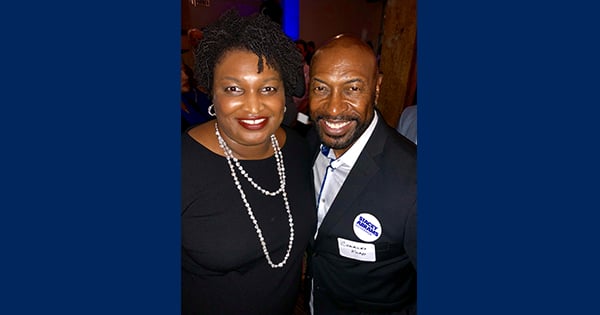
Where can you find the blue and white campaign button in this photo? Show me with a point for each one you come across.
(367, 227)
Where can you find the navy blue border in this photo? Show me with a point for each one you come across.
(91, 175)
(508, 164)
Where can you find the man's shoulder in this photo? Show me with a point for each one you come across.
(394, 142)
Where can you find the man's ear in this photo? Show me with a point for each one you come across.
(378, 86)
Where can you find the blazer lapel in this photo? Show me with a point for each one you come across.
(358, 179)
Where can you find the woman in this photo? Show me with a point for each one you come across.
(247, 203)
(194, 102)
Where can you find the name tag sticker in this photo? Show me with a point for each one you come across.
(356, 250)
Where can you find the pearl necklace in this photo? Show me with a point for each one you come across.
(281, 171)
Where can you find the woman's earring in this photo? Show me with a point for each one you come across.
(211, 110)
(284, 109)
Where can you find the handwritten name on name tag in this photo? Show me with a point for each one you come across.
(356, 250)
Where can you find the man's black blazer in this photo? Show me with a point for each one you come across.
(383, 184)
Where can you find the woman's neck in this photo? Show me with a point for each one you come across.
(250, 152)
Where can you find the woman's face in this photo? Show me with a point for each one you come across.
(249, 105)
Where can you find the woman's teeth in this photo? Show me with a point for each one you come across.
(253, 121)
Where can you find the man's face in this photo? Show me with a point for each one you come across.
(344, 86)
(300, 48)
(195, 37)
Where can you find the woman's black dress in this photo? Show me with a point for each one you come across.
(224, 270)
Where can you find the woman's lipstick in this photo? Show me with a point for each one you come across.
(254, 123)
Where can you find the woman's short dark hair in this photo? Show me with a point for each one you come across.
(256, 33)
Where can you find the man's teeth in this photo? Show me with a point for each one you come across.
(253, 121)
(336, 125)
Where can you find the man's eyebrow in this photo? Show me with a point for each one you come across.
(355, 80)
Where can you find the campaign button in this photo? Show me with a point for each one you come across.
(366, 227)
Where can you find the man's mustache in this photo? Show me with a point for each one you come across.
(337, 118)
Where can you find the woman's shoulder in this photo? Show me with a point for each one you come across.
(296, 146)
(202, 135)
(293, 137)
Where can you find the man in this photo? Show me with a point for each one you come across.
(407, 125)
(302, 102)
(363, 258)
(310, 45)
(194, 37)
